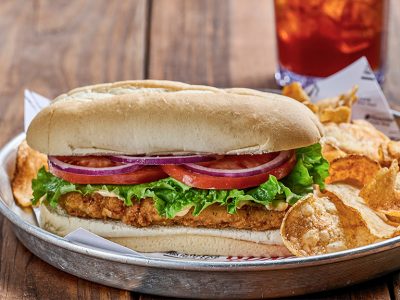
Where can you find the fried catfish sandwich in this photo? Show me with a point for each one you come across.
(166, 166)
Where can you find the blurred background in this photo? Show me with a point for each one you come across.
(51, 46)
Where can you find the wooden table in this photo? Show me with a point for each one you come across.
(53, 46)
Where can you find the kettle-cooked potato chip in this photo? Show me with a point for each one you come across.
(335, 115)
(351, 199)
(295, 91)
(330, 153)
(337, 109)
(343, 100)
(28, 163)
(358, 138)
(393, 148)
(312, 226)
(334, 221)
(365, 123)
(382, 193)
(356, 170)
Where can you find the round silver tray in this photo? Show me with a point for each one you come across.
(194, 278)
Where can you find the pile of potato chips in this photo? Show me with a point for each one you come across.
(360, 204)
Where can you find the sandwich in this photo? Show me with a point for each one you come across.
(165, 166)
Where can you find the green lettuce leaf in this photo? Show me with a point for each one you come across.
(171, 196)
(46, 184)
(311, 168)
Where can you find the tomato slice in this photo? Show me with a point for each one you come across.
(143, 175)
(202, 181)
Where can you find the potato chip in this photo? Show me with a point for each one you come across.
(356, 170)
(343, 100)
(364, 123)
(392, 220)
(337, 109)
(330, 153)
(358, 138)
(28, 163)
(393, 148)
(334, 221)
(312, 227)
(361, 137)
(355, 229)
(336, 115)
(295, 91)
(351, 199)
(382, 193)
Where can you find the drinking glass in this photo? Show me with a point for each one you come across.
(317, 38)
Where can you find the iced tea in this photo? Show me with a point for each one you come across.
(317, 38)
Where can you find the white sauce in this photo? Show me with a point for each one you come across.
(184, 211)
(106, 193)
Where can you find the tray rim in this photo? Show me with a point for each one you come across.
(185, 265)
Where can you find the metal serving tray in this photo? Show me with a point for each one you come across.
(192, 277)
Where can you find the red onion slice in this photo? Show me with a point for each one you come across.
(122, 169)
(162, 160)
(276, 162)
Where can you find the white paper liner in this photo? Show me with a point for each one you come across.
(371, 105)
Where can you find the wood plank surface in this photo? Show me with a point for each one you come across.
(51, 47)
(221, 43)
(395, 285)
(376, 289)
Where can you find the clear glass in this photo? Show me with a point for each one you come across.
(317, 38)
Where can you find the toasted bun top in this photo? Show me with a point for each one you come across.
(160, 117)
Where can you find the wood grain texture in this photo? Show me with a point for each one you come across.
(137, 296)
(24, 276)
(221, 43)
(51, 47)
(51, 52)
(252, 58)
(188, 41)
(394, 284)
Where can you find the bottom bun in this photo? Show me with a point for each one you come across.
(202, 245)
(199, 241)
